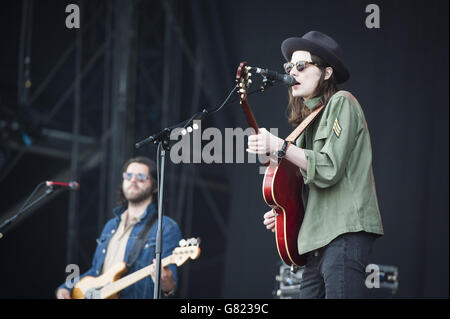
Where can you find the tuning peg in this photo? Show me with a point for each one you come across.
(242, 96)
(183, 243)
(192, 241)
(250, 81)
(242, 91)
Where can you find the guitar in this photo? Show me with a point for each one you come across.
(282, 184)
(108, 285)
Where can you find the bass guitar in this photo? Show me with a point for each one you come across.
(108, 285)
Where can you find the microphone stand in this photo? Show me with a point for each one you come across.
(163, 138)
(163, 146)
(267, 83)
(49, 191)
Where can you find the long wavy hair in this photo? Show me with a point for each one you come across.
(296, 110)
(122, 201)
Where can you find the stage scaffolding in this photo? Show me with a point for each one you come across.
(134, 55)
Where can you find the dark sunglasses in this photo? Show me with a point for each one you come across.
(300, 65)
(140, 177)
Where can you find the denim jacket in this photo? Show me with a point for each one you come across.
(171, 235)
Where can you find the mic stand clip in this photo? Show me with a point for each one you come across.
(266, 83)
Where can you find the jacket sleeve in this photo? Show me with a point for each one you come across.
(332, 144)
(172, 236)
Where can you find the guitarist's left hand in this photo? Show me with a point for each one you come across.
(167, 281)
(264, 143)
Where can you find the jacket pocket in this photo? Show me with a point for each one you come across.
(146, 255)
(102, 239)
(322, 132)
(320, 138)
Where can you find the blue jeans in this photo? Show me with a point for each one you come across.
(337, 270)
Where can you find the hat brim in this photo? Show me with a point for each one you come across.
(291, 45)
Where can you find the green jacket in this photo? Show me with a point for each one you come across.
(342, 196)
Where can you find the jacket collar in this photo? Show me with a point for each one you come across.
(312, 103)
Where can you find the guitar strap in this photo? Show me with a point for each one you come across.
(297, 132)
(304, 124)
(139, 243)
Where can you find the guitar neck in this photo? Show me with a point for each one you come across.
(249, 116)
(118, 285)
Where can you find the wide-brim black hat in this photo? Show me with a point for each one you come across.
(321, 45)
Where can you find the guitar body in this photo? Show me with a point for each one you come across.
(88, 284)
(282, 190)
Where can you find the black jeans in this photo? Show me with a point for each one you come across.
(337, 270)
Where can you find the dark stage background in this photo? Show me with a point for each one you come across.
(134, 67)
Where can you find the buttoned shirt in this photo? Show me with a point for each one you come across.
(116, 248)
(341, 194)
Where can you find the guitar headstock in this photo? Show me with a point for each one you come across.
(188, 249)
(243, 80)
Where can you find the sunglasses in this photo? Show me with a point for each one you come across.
(300, 65)
(140, 177)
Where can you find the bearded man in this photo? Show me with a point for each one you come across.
(130, 236)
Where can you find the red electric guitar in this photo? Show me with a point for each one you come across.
(282, 184)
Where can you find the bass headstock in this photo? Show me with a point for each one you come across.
(188, 249)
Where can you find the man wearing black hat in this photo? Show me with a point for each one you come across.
(334, 155)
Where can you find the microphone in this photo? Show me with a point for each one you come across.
(286, 79)
(154, 138)
(72, 186)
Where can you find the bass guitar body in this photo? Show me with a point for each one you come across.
(90, 287)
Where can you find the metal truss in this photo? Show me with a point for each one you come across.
(129, 58)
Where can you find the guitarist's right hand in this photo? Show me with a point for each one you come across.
(63, 293)
(269, 220)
